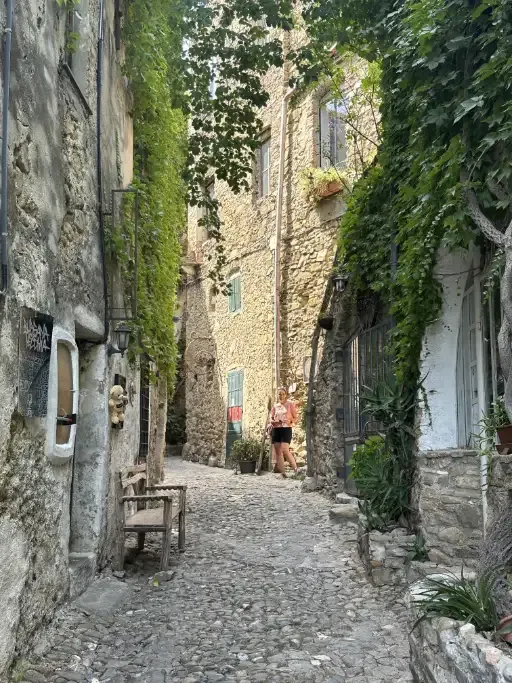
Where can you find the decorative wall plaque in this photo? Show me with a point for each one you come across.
(35, 345)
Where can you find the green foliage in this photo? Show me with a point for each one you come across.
(246, 449)
(315, 182)
(461, 599)
(495, 419)
(72, 42)
(175, 432)
(446, 126)
(153, 38)
(418, 550)
(385, 491)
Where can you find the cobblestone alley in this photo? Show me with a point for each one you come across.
(268, 590)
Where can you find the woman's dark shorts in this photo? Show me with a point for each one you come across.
(282, 435)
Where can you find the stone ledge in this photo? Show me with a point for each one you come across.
(447, 651)
(449, 453)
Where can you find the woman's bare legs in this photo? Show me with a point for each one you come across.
(279, 459)
(288, 456)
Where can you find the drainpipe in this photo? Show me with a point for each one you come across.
(101, 218)
(277, 251)
(5, 147)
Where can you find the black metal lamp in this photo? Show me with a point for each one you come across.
(340, 282)
(122, 334)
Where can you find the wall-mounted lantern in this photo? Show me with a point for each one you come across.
(340, 282)
(122, 338)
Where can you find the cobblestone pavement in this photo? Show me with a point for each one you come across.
(268, 590)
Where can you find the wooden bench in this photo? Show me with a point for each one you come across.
(148, 519)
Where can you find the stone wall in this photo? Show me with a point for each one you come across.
(55, 269)
(447, 651)
(328, 407)
(245, 340)
(385, 554)
(450, 505)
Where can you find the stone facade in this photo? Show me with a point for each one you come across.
(245, 340)
(447, 651)
(450, 505)
(385, 554)
(56, 500)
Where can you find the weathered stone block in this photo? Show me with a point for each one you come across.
(344, 514)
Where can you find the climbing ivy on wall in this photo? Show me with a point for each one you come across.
(446, 131)
(153, 36)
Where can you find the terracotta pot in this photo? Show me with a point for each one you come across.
(504, 448)
(326, 322)
(506, 621)
(333, 187)
(505, 434)
(247, 466)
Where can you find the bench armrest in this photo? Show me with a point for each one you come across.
(127, 499)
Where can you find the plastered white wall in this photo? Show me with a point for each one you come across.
(439, 355)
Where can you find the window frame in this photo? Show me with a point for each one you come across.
(60, 454)
(325, 136)
(264, 171)
(232, 295)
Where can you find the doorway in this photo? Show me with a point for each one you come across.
(235, 410)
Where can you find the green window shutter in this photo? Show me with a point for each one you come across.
(235, 295)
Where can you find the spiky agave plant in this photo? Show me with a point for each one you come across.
(461, 599)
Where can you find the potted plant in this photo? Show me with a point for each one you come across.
(319, 183)
(497, 424)
(326, 321)
(246, 453)
(502, 421)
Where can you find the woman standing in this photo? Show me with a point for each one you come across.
(283, 417)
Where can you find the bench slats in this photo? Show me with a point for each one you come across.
(154, 517)
(133, 480)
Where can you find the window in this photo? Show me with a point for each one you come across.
(77, 32)
(64, 392)
(235, 409)
(62, 397)
(211, 300)
(366, 361)
(204, 223)
(235, 294)
(333, 150)
(265, 37)
(264, 168)
(212, 86)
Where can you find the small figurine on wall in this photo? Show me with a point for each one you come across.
(116, 404)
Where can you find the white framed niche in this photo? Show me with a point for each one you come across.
(62, 396)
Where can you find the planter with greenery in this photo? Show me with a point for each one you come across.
(319, 183)
(495, 431)
(246, 453)
(326, 321)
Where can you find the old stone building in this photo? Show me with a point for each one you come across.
(453, 497)
(280, 241)
(68, 144)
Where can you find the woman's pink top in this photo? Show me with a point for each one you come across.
(286, 413)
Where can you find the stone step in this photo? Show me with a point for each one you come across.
(345, 499)
(416, 571)
(344, 514)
